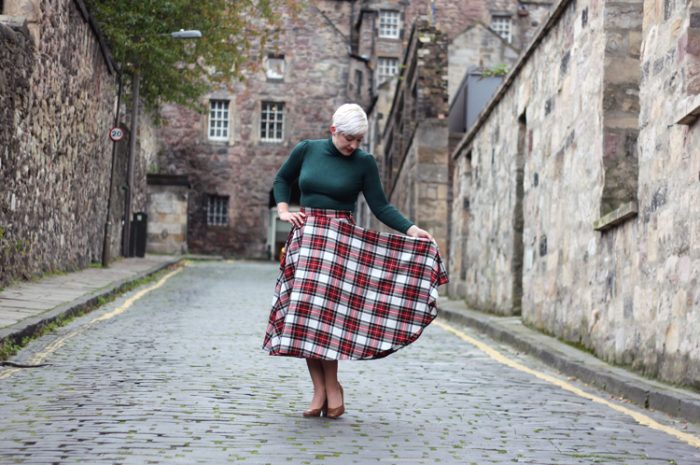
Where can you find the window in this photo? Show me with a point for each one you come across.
(218, 119)
(358, 82)
(217, 210)
(386, 69)
(389, 24)
(501, 25)
(274, 67)
(272, 122)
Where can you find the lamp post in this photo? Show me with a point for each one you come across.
(135, 90)
(106, 255)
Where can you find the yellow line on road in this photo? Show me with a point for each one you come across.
(40, 356)
(638, 417)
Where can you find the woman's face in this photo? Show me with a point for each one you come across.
(346, 144)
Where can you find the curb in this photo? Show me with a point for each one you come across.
(29, 327)
(645, 392)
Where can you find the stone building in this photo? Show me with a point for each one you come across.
(415, 133)
(575, 194)
(57, 104)
(338, 51)
(230, 154)
(415, 157)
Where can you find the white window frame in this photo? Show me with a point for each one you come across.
(389, 24)
(219, 121)
(217, 210)
(387, 67)
(503, 26)
(272, 121)
(275, 67)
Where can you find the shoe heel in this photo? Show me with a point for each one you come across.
(337, 411)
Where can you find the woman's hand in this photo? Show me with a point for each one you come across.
(415, 231)
(297, 218)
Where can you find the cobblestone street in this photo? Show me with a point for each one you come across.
(180, 377)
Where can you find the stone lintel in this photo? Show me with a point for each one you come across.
(689, 118)
(618, 216)
(167, 180)
(18, 23)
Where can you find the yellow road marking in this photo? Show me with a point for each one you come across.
(638, 417)
(40, 356)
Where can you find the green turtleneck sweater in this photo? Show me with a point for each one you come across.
(329, 179)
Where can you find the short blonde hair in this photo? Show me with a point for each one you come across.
(350, 119)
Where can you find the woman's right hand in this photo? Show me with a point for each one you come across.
(296, 218)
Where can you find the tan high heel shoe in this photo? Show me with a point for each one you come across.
(316, 412)
(335, 412)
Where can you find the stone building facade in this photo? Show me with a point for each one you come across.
(415, 158)
(57, 104)
(338, 51)
(415, 135)
(575, 194)
(231, 154)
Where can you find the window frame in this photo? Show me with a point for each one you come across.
(269, 125)
(224, 118)
(382, 63)
(389, 24)
(268, 68)
(506, 33)
(219, 215)
(359, 82)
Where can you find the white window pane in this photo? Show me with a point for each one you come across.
(218, 119)
(389, 24)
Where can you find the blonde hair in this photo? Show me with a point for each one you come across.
(350, 119)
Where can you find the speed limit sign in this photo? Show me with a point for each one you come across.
(116, 134)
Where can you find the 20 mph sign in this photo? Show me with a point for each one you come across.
(116, 134)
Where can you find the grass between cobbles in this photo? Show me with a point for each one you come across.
(11, 346)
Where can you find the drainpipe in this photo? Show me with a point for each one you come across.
(126, 238)
(108, 222)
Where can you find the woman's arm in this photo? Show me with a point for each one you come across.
(380, 206)
(297, 219)
(288, 172)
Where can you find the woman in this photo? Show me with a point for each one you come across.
(344, 292)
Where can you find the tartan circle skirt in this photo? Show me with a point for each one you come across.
(347, 293)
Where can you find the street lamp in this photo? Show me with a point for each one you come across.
(183, 34)
(135, 86)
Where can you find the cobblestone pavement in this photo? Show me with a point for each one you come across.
(180, 378)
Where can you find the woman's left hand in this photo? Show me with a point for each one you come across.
(415, 231)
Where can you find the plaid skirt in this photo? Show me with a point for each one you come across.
(346, 293)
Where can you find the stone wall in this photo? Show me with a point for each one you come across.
(415, 139)
(451, 17)
(478, 47)
(57, 101)
(548, 149)
(167, 214)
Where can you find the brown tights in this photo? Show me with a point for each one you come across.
(324, 376)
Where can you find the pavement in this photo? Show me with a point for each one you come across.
(645, 392)
(27, 306)
(180, 378)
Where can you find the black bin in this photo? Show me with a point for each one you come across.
(138, 235)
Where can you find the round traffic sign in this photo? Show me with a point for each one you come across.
(116, 134)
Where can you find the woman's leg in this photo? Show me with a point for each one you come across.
(318, 379)
(330, 371)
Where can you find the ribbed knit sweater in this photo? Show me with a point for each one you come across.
(329, 179)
